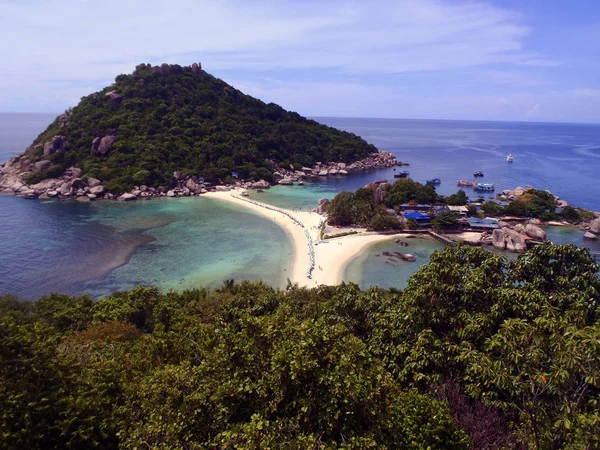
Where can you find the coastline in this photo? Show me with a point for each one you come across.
(331, 256)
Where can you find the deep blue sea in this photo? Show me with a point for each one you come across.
(101, 247)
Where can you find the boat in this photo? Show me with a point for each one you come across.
(402, 174)
(466, 183)
(434, 181)
(509, 158)
(485, 187)
(477, 173)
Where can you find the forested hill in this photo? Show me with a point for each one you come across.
(157, 120)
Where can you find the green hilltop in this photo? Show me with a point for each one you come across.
(148, 124)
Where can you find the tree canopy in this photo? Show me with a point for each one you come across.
(191, 122)
(476, 352)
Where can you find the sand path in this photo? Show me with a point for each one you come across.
(330, 256)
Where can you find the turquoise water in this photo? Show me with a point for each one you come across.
(373, 268)
(101, 247)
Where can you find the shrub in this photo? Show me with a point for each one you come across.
(384, 222)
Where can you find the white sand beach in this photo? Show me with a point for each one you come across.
(330, 256)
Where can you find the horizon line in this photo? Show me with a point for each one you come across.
(379, 118)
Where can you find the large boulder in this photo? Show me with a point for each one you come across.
(73, 172)
(515, 242)
(498, 238)
(595, 226)
(322, 205)
(93, 182)
(43, 185)
(97, 190)
(127, 197)
(78, 183)
(262, 184)
(535, 232)
(57, 143)
(590, 236)
(222, 188)
(42, 165)
(286, 181)
(65, 188)
(192, 186)
(100, 147)
(323, 173)
(115, 97)
(196, 68)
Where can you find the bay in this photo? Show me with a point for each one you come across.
(101, 247)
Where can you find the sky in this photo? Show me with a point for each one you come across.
(525, 60)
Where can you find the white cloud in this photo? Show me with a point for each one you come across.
(86, 40)
(55, 51)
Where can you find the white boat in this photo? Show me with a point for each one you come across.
(509, 158)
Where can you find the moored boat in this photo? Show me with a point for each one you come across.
(485, 187)
(477, 173)
(510, 158)
(434, 181)
(466, 183)
(402, 174)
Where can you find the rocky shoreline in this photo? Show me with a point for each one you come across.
(70, 185)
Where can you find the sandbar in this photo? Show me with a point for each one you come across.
(330, 256)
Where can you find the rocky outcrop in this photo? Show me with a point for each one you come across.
(127, 197)
(322, 205)
(286, 181)
(101, 146)
(511, 240)
(535, 232)
(196, 68)
(56, 144)
(262, 184)
(590, 236)
(115, 97)
(41, 165)
(595, 226)
(97, 190)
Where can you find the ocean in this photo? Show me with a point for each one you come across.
(101, 247)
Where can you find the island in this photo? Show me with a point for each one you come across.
(172, 131)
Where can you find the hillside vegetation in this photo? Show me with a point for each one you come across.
(477, 352)
(182, 118)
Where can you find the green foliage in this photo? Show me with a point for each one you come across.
(576, 215)
(445, 220)
(533, 203)
(491, 208)
(249, 366)
(471, 211)
(406, 190)
(194, 123)
(141, 177)
(411, 224)
(357, 208)
(53, 171)
(384, 222)
(458, 199)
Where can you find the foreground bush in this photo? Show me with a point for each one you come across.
(476, 352)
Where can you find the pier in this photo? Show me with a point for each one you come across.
(442, 239)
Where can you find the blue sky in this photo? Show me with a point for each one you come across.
(527, 60)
